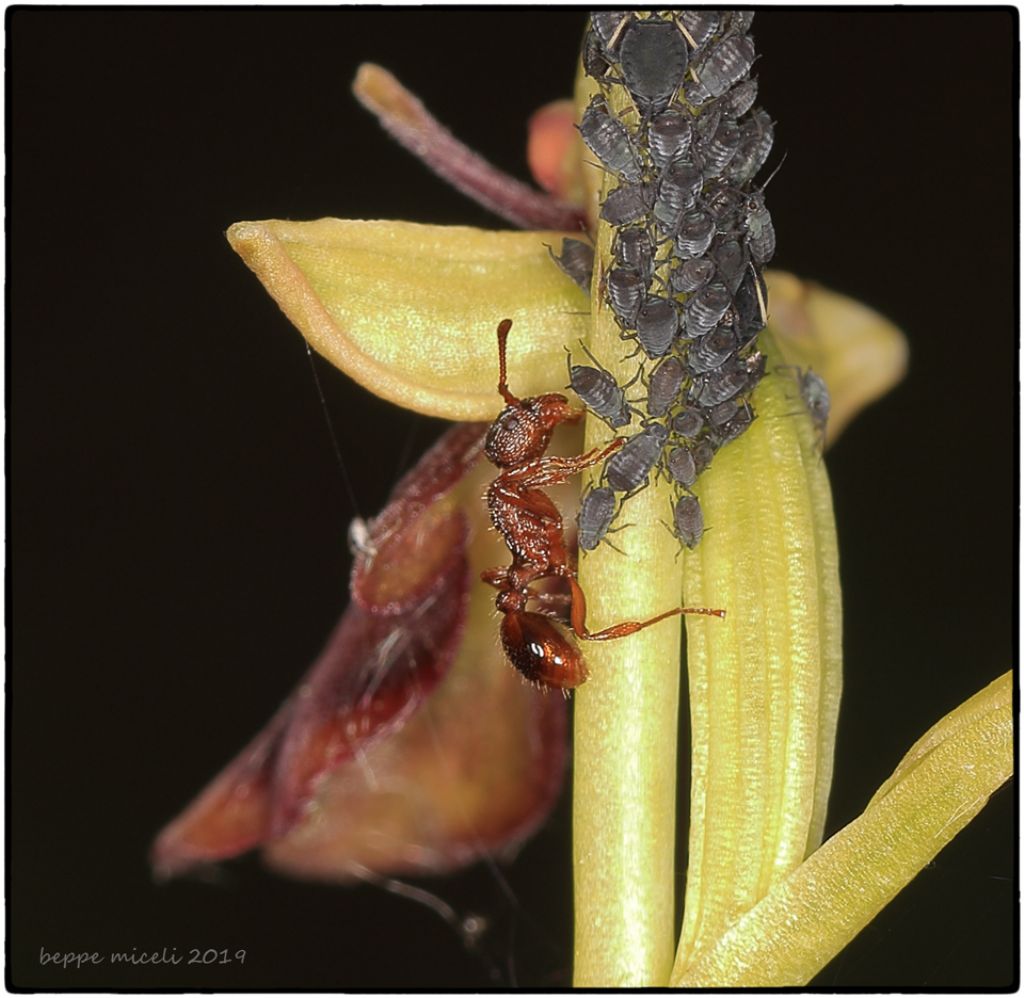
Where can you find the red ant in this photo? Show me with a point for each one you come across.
(532, 527)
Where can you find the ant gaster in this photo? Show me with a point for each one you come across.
(532, 528)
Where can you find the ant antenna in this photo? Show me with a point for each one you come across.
(503, 330)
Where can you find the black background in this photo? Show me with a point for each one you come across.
(177, 518)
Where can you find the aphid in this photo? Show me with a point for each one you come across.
(576, 261)
(692, 275)
(705, 308)
(663, 386)
(688, 423)
(722, 413)
(634, 249)
(739, 100)
(757, 134)
(596, 513)
(737, 22)
(668, 136)
(724, 201)
(711, 350)
(599, 391)
(360, 539)
(815, 395)
(731, 259)
(653, 56)
(610, 25)
(629, 469)
(724, 382)
(722, 66)
(595, 62)
(700, 24)
(733, 427)
(532, 528)
(681, 466)
(626, 289)
(677, 191)
(720, 147)
(657, 323)
(694, 235)
(610, 141)
(760, 230)
(688, 518)
(702, 455)
(750, 302)
(627, 203)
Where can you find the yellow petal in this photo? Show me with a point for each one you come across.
(859, 353)
(944, 781)
(410, 311)
(764, 687)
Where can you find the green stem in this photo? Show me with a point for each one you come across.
(626, 720)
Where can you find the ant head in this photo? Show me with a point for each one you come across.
(523, 431)
(543, 655)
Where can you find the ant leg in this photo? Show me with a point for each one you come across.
(497, 577)
(555, 470)
(627, 627)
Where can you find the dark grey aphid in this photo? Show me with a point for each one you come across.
(599, 391)
(757, 134)
(688, 423)
(732, 428)
(705, 308)
(760, 230)
(737, 22)
(627, 203)
(629, 468)
(610, 141)
(677, 190)
(711, 350)
(610, 25)
(595, 62)
(633, 248)
(699, 24)
(663, 387)
(692, 275)
(694, 235)
(657, 323)
(722, 413)
(626, 289)
(721, 66)
(681, 467)
(721, 384)
(750, 302)
(731, 258)
(576, 261)
(596, 513)
(689, 521)
(725, 202)
(719, 149)
(702, 455)
(669, 136)
(653, 56)
(738, 101)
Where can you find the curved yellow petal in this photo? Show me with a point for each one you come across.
(859, 353)
(410, 311)
(765, 686)
(804, 921)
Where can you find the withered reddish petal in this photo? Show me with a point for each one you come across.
(371, 676)
(232, 814)
(472, 773)
(415, 539)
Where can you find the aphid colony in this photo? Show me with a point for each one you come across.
(691, 238)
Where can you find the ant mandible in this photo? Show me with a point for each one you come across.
(532, 528)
